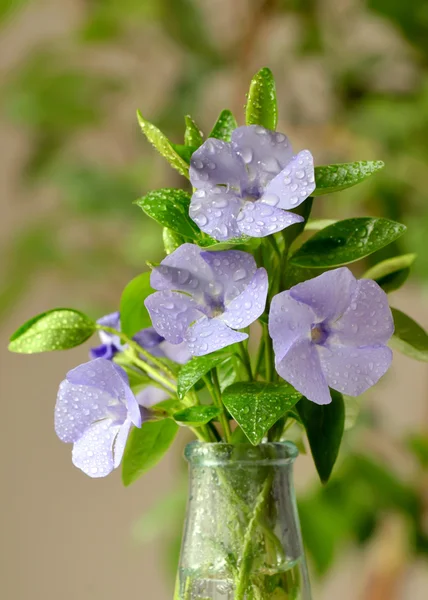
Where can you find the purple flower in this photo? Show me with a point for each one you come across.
(243, 187)
(331, 331)
(110, 344)
(94, 411)
(204, 296)
(146, 338)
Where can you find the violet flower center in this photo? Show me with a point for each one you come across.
(319, 333)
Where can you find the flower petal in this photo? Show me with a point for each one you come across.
(77, 407)
(110, 320)
(178, 353)
(329, 294)
(232, 272)
(172, 313)
(302, 368)
(289, 320)
(216, 162)
(101, 374)
(353, 370)
(258, 219)
(106, 351)
(294, 184)
(368, 320)
(151, 395)
(208, 335)
(93, 452)
(250, 304)
(183, 270)
(215, 211)
(264, 152)
(119, 443)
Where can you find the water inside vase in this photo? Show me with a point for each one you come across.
(285, 583)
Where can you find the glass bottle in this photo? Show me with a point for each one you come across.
(242, 538)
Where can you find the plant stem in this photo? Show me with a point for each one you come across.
(268, 354)
(152, 372)
(135, 346)
(214, 389)
(247, 557)
(245, 360)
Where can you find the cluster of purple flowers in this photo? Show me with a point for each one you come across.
(328, 332)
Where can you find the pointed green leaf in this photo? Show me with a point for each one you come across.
(171, 240)
(318, 224)
(133, 314)
(224, 126)
(409, 337)
(163, 145)
(145, 448)
(262, 107)
(170, 208)
(390, 274)
(57, 329)
(196, 416)
(193, 136)
(256, 406)
(347, 241)
(324, 427)
(195, 369)
(184, 152)
(333, 178)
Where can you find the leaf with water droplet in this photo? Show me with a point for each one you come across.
(196, 416)
(57, 329)
(224, 126)
(145, 447)
(390, 274)
(256, 406)
(171, 240)
(334, 178)
(193, 136)
(134, 315)
(347, 241)
(324, 427)
(409, 337)
(195, 369)
(261, 106)
(170, 208)
(163, 145)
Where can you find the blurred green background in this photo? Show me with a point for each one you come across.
(352, 80)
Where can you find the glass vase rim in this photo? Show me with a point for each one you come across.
(224, 454)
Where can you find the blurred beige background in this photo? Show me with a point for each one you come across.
(64, 535)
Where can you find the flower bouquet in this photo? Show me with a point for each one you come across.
(252, 331)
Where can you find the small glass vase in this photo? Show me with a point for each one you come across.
(242, 538)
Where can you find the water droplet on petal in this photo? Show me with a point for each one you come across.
(239, 274)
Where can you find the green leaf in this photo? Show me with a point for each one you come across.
(347, 241)
(224, 126)
(170, 208)
(195, 416)
(193, 136)
(317, 224)
(171, 240)
(261, 107)
(409, 337)
(195, 369)
(133, 314)
(390, 274)
(184, 152)
(324, 427)
(163, 145)
(256, 406)
(145, 447)
(333, 178)
(57, 329)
